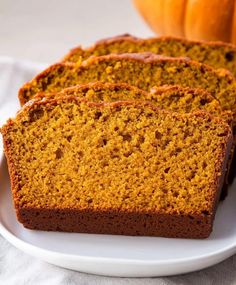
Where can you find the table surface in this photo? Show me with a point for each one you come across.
(44, 31)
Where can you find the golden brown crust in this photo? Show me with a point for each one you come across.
(148, 57)
(164, 38)
(136, 40)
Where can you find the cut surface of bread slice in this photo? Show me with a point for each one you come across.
(216, 54)
(173, 98)
(170, 97)
(115, 168)
(141, 70)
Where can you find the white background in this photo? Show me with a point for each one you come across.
(44, 30)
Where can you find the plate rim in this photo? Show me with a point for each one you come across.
(42, 253)
(20, 243)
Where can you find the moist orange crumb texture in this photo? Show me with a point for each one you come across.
(140, 73)
(126, 158)
(173, 98)
(214, 54)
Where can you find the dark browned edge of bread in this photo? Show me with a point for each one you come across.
(133, 39)
(117, 222)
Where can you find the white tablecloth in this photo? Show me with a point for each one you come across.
(17, 268)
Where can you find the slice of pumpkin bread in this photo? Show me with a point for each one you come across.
(142, 70)
(131, 169)
(173, 98)
(216, 54)
(170, 97)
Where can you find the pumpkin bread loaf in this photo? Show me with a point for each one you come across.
(151, 172)
(144, 70)
(216, 54)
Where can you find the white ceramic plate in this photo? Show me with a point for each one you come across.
(121, 255)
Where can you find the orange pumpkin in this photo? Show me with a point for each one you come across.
(193, 19)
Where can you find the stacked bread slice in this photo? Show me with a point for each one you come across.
(117, 139)
(216, 54)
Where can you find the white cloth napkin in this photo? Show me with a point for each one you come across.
(17, 268)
